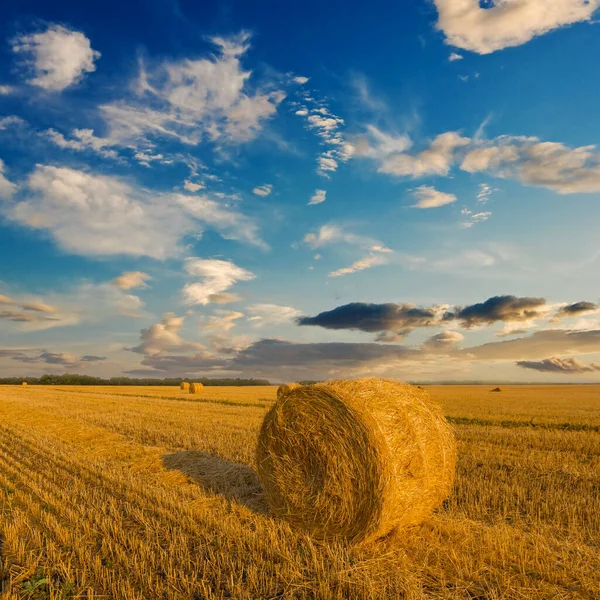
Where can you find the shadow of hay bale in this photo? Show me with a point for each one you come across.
(235, 482)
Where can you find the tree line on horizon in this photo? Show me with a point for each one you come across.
(76, 379)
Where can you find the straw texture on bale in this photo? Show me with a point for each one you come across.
(195, 388)
(185, 386)
(355, 459)
(285, 388)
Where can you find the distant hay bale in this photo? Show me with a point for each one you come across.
(496, 390)
(24, 383)
(185, 386)
(286, 388)
(196, 388)
(355, 459)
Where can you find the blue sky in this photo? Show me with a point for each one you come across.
(407, 189)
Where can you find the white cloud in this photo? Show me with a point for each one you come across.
(372, 260)
(271, 314)
(485, 192)
(131, 279)
(333, 234)
(428, 197)
(508, 22)
(454, 56)
(263, 190)
(221, 321)
(532, 162)
(326, 125)
(526, 159)
(318, 197)
(11, 121)
(5, 90)
(58, 57)
(193, 187)
(230, 224)
(7, 188)
(84, 139)
(224, 298)
(164, 337)
(378, 145)
(194, 100)
(301, 80)
(100, 215)
(435, 160)
(217, 277)
(474, 218)
(85, 302)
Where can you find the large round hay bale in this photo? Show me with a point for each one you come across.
(185, 386)
(355, 459)
(286, 388)
(24, 383)
(196, 388)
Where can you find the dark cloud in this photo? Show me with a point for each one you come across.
(443, 341)
(538, 345)
(567, 366)
(21, 317)
(360, 316)
(578, 308)
(277, 357)
(498, 308)
(50, 358)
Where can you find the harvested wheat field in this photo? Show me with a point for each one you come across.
(143, 493)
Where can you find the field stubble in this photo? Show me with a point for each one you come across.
(143, 493)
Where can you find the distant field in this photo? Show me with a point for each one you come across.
(149, 493)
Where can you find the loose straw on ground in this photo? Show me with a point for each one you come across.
(355, 459)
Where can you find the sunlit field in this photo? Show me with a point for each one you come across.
(148, 492)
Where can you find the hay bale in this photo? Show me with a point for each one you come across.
(24, 383)
(185, 386)
(286, 388)
(496, 390)
(196, 388)
(355, 459)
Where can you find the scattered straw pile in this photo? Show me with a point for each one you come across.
(185, 386)
(355, 459)
(496, 390)
(286, 388)
(24, 383)
(196, 388)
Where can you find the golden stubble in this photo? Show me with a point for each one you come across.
(135, 493)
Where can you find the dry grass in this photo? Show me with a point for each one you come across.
(355, 459)
(143, 493)
(286, 388)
